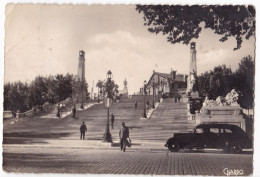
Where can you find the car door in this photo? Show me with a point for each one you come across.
(212, 137)
(197, 138)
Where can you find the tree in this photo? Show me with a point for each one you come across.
(217, 82)
(183, 23)
(38, 90)
(15, 97)
(99, 85)
(244, 82)
(7, 104)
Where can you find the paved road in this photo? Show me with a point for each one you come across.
(113, 161)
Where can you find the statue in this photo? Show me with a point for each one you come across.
(125, 83)
(221, 101)
(230, 100)
(191, 83)
(208, 102)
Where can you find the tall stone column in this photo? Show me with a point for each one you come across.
(193, 68)
(193, 102)
(81, 90)
(81, 66)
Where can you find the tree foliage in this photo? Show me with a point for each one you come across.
(15, 96)
(99, 85)
(244, 81)
(52, 89)
(217, 82)
(183, 23)
(221, 80)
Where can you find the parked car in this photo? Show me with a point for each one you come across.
(230, 138)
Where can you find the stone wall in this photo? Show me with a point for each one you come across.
(221, 114)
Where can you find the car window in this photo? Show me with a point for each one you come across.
(228, 130)
(222, 130)
(214, 130)
(199, 130)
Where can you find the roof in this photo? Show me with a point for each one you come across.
(178, 77)
(164, 75)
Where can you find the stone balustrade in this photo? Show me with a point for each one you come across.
(221, 114)
(7, 114)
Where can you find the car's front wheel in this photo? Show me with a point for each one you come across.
(174, 147)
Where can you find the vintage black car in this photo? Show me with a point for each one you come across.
(230, 138)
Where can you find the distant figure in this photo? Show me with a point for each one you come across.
(112, 120)
(175, 99)
(83, 129)
(74, 112)
(179, 98)
(123, 135)
(135, 105)
(58, 113)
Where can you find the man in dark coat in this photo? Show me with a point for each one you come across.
(135, 104)
(123, 135)
(112, 120)
(83, 129)
(74, 112)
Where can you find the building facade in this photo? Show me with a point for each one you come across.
(166, 84)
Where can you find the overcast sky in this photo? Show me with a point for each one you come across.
(46, 39)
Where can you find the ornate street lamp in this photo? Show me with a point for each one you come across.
(144, 99)
(153, 93)
(108, 102)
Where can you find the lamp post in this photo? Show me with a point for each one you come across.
(153, 94)
(108, 102)
(144, 99)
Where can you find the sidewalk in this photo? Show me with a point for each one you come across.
(85, 144)
(99, 145)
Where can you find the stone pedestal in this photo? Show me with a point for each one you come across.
(221, 114)
(193, 104)
(18, 114)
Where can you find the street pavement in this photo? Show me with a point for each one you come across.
(113, 161)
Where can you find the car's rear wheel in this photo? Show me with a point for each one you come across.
(235, 148)
(174, 147)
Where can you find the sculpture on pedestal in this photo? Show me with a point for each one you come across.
(230, 100)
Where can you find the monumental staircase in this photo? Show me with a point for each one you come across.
(168, 118)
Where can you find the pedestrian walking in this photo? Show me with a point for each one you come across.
(123, 135)
(135, 105)
(83, 129)
(179, 97)
(112, 120)
(74, 112)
